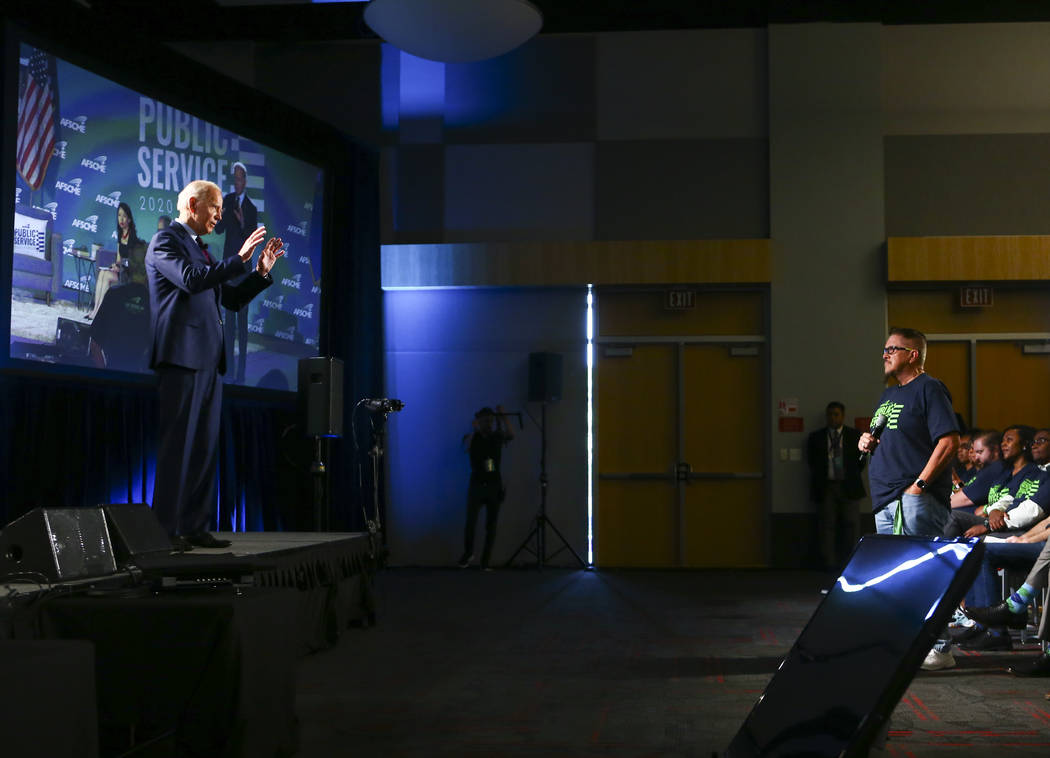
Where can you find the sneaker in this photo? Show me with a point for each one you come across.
(960, 619)
(464, 562)
(487, 569)
(936, 660)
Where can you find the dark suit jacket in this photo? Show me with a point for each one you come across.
(817, 457)
(236, 233)
(185, 292)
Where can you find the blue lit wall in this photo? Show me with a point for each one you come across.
(450, 352)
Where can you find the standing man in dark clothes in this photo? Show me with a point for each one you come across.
(835, 485)
(485, 445)
(186, 287)
(909, 474)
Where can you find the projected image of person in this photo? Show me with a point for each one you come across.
(239, 219)
(130, 261)
(485, 445)
(186, 287)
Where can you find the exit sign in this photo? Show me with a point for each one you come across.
(975, 297)
(679, 300)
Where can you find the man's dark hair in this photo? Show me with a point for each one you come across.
(835, 404)
(486, 411)
(988, 437)
(912, 335)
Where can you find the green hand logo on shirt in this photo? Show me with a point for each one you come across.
(891, 411)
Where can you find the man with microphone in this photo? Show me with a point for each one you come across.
(909, 473)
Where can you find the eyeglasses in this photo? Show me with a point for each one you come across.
(1040, 440)
(896, 349)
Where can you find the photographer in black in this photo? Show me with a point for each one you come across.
(485, 445)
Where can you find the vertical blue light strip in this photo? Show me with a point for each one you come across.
(590, 425)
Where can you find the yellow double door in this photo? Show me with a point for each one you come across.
(680, 451)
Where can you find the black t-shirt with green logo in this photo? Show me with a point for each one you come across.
(919, 413)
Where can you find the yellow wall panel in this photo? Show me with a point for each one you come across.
(938, 311)
(950, 362)
(968, 259)
(723, 410)
(556, 264)
(632, 436)
(1012, 386)
(642, 313)
(637, 524)
(713, 505)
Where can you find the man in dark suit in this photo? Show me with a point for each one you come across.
(186, 287)
(239, 219)
(835, 485)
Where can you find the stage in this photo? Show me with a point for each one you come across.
(191, 653)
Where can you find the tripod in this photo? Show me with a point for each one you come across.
(539, 532)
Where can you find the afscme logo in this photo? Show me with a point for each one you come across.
(304, 259)
(112, 199)
(95, 164)
(293, 281)
(89, 224)
(67, 246)
(78, 124)
(52, 208)
(72, 186)
(306, 312)
(276, 304)
(300, 229)
(59, 150)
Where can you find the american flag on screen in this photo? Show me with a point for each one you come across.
(36, 118)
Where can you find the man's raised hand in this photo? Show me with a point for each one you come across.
(273, 250)
(248, 248)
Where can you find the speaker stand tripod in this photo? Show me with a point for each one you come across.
(539, 531)
(319, 473)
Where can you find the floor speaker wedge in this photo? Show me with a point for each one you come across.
(60, 543)
(135, 530)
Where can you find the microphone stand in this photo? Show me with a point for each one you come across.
(539, 531)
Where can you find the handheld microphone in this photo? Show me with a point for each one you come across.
(382, 404)
(876, 430)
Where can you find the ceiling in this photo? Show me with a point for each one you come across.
(292, 21)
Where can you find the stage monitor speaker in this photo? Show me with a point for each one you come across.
(134, 530)
(544, 377)
(321, 396)
(834, 693)
(60, 543)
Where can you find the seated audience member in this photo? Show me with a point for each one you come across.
(984, 449)
(1041, 449)
(1000, 490)
(962, 466)
(1012, 613)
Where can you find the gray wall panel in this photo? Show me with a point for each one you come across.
(967, 184)
(682, 189)
(447, 354)
(542, 92)
(699, 83)
(519, 192)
